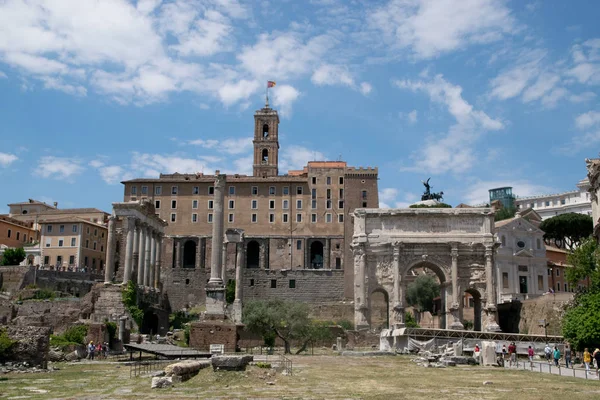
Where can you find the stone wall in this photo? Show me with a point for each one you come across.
(205, 333)
(77, 284)
(184, 287)
(15, 278)
(32, 345)
(310, 286)
(57, 315)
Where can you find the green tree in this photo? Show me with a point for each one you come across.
(287, 320)
(567, 230)
(505, 213)
(580, 322)
(584, 260)
(230, 291)
(422, 291)
(410, 321)
(13, 256)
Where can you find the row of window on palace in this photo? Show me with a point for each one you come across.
(540, 278)
(291, 283)
(74, 229)
(61, 243)
(18, 236)
(285, 204)
(285, 190)
(314, 218)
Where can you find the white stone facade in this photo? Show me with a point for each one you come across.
(457, 244)
(547, 206)
(521, 265)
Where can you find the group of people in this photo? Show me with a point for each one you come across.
(98, 350)
(589, 358)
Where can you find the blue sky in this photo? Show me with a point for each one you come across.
(473, 93)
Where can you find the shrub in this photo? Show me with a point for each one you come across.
(43, 294)
(468, 324)
(130, 302)
(6, 344)
(111, 327)
(230, 291)
(409, 320)
(76, 334)
(263, 365)
(347, 325)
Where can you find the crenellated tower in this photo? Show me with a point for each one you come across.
(266, 142)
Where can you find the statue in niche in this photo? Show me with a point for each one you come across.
(427, 195)
(477, 274)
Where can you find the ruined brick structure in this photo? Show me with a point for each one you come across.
(298, 224)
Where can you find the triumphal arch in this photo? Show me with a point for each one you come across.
(457, 244)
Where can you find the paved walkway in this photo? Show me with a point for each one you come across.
(545, 367)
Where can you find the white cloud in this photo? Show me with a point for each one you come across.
(389, 198)
(586, 62)
(432, 28)
(328, 74)
(111, 174)
(478, 192)
(582, 97)
(511, 82)
(59, 167)
(283, 97)
(6, 159)
(232, 93)
(455, 150)
(3, 75)
(587, 120)
(365, 88)
(296, 157)
(411, 117)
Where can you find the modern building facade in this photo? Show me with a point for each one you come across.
(298, 221)
(547, 206)
(72, 243)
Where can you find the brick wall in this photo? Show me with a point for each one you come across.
(311, 286)
(203, 334)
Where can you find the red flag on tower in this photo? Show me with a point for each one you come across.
(270, 84)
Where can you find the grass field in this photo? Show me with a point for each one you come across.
(314, 377)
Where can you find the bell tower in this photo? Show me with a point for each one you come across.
(266, 142)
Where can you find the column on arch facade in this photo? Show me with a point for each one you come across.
(142, 251)
(152, 259)
(455, 306)
(360, 287)
(148, 250)
(130, 227)
(491, 310)
(158, 264)
(399, 290)
(110, 249)
(136, 250)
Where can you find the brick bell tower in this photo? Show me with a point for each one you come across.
(266, 142)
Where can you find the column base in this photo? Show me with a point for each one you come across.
(237, 311)
(215, 301)
(457, 326)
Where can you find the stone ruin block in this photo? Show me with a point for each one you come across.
(205, 333)
(32, 346)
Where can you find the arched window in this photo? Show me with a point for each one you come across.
(265, 131)
(265, 156)
(503, 239)
(539, 243)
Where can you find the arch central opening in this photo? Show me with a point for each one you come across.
(316, 254)
(426, 295)
(252, 254)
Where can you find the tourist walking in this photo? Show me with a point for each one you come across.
(548, 352)
(91, 350)
(512, 352)
(597, 358)
(587, 359)
(530, 354)
(556, 355)
(568, 356)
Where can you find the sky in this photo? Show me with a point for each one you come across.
(474, 94)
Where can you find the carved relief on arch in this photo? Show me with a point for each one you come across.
(434, 263)
(384, 271)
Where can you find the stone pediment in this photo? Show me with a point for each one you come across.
(524, 253)
(517, 224)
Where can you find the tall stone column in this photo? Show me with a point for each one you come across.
(142, 251)
(130, 222)
(224, 263)
(216, 261)
(158, 264)
(455, 306)
(198, 259)
(239, 281)
(360, 289)
(147, 256)
(177, 253)
(490, 308)
(215, 291)
(327, 254)
(152, 259)
(136, 251)
(398, 303)
(110, 249)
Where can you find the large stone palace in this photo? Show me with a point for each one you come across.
(297, 226)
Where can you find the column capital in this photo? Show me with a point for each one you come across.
(489, 251)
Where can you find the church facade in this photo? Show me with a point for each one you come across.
(297, 226)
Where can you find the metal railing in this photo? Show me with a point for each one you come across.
(551, 368)
(285, 364)
(137, 368)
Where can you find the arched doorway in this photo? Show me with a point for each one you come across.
(380, 309)
(149, 323)
(471, 308)
(425, 292)
(189, 254)
(252, 254)
(316, 255)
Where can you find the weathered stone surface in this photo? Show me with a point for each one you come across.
(32, 344)
(462, 360)
(58, 315)
(161, 382)
(55, 355)
(231, 363)
(186, 369)
(488, 353)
